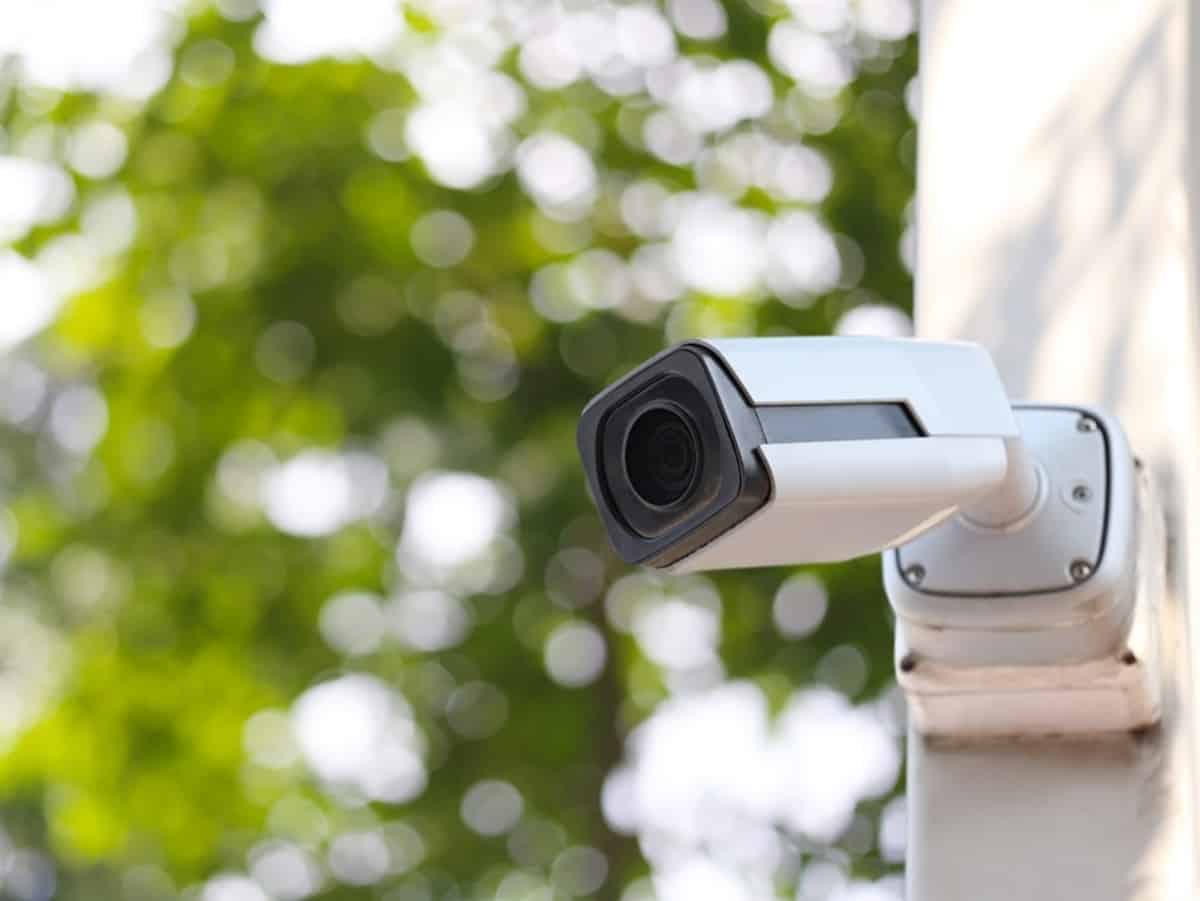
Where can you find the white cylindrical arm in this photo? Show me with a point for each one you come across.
(1015, 498)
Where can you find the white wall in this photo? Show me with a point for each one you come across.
(1053, 226)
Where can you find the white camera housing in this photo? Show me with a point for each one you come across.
(843, 447)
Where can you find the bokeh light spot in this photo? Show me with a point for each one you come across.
(442, 238)
(800, 605)
(575, 654)
(492, 807)
(353, 623)
(355, 731)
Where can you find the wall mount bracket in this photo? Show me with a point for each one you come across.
(1048, 625)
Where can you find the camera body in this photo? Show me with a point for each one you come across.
(768, 451)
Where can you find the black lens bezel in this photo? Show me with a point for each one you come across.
(731, 483)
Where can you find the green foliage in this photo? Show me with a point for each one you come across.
(182, 612)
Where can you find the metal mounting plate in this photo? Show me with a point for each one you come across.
(1057, 546)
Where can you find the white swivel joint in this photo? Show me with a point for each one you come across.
(1014, 549)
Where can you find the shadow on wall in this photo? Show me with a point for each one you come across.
(1075, 264)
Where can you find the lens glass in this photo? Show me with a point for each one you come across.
(662, 456)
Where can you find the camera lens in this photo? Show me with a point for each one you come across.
(662, 456)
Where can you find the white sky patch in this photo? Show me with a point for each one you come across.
(712, 98)
(799, 173)
(641, 207)
(889, 20)
(286, 870)
(618, 800)
(802, 256)
(457, 149)
(298, 31)
(698, 878)
(593, 36)
(708, 759)
(30, 303)
(811, 60)
(232, 887)
(883, 890)
(318, 492)
(677, 634)
(644, 37)
(557, 174)
(460, 69)
(120, 47)
(703, 20)
(34, 192)
(699, 754)
(828, 756)
(671, 138)
(549, 61)
(614, 46)
(598, 279)
(357, 732)
(893, 830)
(460, 129)
(718, 248)
(875, 319)
(821, 15)
(653, 273)
(451, 518)
(821, 880)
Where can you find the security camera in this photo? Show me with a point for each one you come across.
(1018, 540)
(768, 451)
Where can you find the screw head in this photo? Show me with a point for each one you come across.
(1085, 424)
(1080, 570)
(1081, 493)
(914, 574)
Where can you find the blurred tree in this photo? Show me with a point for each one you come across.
(302, 581)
